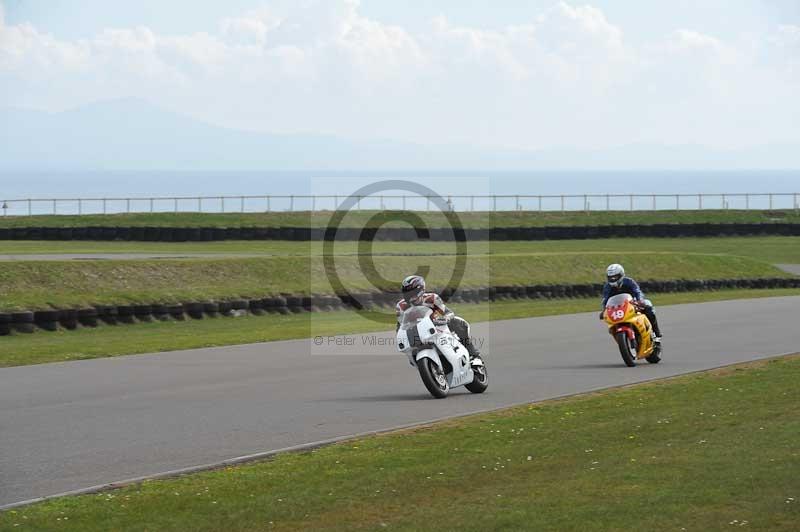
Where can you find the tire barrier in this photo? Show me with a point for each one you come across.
(176, 312)
(87, 317)
(46, 319)
(22, 322)
(107, 314)
(195, 310)
(125, 314)
(143, 312)
(211, 309)
(5, 323)
(70, 319)
(399, 234)
(256, 307)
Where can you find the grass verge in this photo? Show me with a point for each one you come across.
(110, 341)
(656, 456)
(60, 284)
(773, 249)
(361, 218)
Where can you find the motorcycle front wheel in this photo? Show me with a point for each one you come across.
(628, 354)
(481, 380)
(433, 378)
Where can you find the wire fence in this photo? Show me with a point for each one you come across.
(458, 203)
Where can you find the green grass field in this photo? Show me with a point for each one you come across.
(111, 341)
(775, 249)
(710, 451)
(44, 284)
(360, 218)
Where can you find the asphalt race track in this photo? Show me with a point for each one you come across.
(74, 425)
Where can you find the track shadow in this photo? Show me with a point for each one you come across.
(605, 365)
(422, 396)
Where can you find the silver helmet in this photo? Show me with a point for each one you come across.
(615, 273)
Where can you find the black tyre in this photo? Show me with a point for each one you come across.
(655, 358)
(481, 381)
(5, 323)
(628, 354)
(433, 378)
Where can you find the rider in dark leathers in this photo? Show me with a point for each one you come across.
(617, 283)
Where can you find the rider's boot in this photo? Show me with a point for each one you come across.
(473, 351)
(656, 329)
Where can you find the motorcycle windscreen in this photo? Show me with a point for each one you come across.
(618, 300)
(414, 315)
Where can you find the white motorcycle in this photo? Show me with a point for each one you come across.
(443, 362)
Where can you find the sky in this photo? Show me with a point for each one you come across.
(534, 74)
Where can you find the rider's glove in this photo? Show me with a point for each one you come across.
(441, 319)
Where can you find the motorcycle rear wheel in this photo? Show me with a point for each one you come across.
(433, 378)
(628, 356)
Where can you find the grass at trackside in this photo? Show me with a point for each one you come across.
(709, 451)
(773, 249)
(432, 219)
(110, 341)
(42, 284)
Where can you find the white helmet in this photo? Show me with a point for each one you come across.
(615, 273)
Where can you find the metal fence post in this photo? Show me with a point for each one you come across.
(471, 204)
(494, 202)
(291, 203)
(222, 203)
(562, 203)
(700, 201)
(770, 202)
(241, 203)
(269, 203)
(608, 202)
(80, 206)
(540, 203)
(104, 205)
(55, 209)
(630, 197)
(176, 204)
(30, 208)
(516, 200)
(128, 205)
(654, 202)
(747, 202)
(199, 204)
(677, 202)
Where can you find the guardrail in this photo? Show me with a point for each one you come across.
(459, 203)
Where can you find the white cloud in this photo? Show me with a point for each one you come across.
(566, 77)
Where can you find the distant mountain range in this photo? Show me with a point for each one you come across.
(135, 135)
